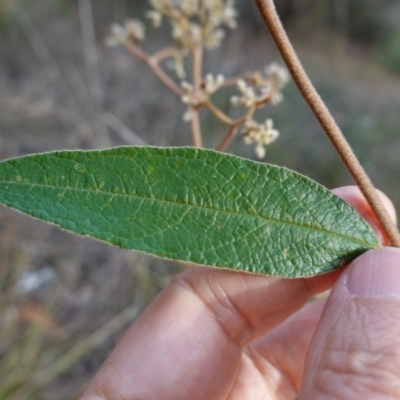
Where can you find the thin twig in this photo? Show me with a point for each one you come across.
(271, 18)
(153, 64)
(233, 81)
(197, 52)
(197, 59)
(232, 131)
(228, 138)
(196, 128)
(225, 118)
(163, 54)
(218, 113)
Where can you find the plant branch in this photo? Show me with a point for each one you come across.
(218, 113)
(228, 138)
(197, 52)
(196, 128)
(197, 57)
(164, 53)
(153, 64)
(232, 131)
(271, 18)
(233, 81)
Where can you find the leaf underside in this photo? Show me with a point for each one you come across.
(192, 205)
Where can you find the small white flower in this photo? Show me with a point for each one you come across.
(191, 96)
(277, 78)
(229, 16)
(187, 116)
(176, 64)
(155, 17)
(118, 35)
(135, 29)
(190, 7)
(188, 87)
(179, 68)
(177, 31)
(248, 97)
(260, 151)
(214, 39)
(278, 74)
(212, 83)
(261, 134)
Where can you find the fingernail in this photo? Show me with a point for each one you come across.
(376, 273)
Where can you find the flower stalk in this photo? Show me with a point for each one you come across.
(153, 63)
(196, 128)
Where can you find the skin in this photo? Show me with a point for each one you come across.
(226, 335)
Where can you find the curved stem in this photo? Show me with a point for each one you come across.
(228, 138)
(233, 81)
(218, 113)
(153, 64)
(232, 131)
(164, 53)
(271, 18)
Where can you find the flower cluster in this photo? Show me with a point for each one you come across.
(192, 97)
(213, 83)
(197, 25)
(155, 17)
(262, 88)
(261, 134)
(133, 30)
(251, 95)
(217, 14)
(195, 97)
(277, 78)
(192, 22)
(211, 15)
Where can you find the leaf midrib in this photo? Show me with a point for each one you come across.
(318, 229)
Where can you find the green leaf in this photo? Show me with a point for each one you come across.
(192, 205)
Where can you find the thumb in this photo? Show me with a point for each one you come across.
(355, 353)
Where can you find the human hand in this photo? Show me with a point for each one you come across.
(224, 335)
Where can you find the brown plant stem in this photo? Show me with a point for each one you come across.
(197, 59)
(227, 138)
(197, 52)
(232, 81)
(218, 113)
(271, 18)
(225, 118)
(153, 64)
(232, 131)
(164, 53)
(196, 128)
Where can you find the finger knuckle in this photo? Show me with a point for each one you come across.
(351, 374)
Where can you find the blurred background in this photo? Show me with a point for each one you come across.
(65, 300)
